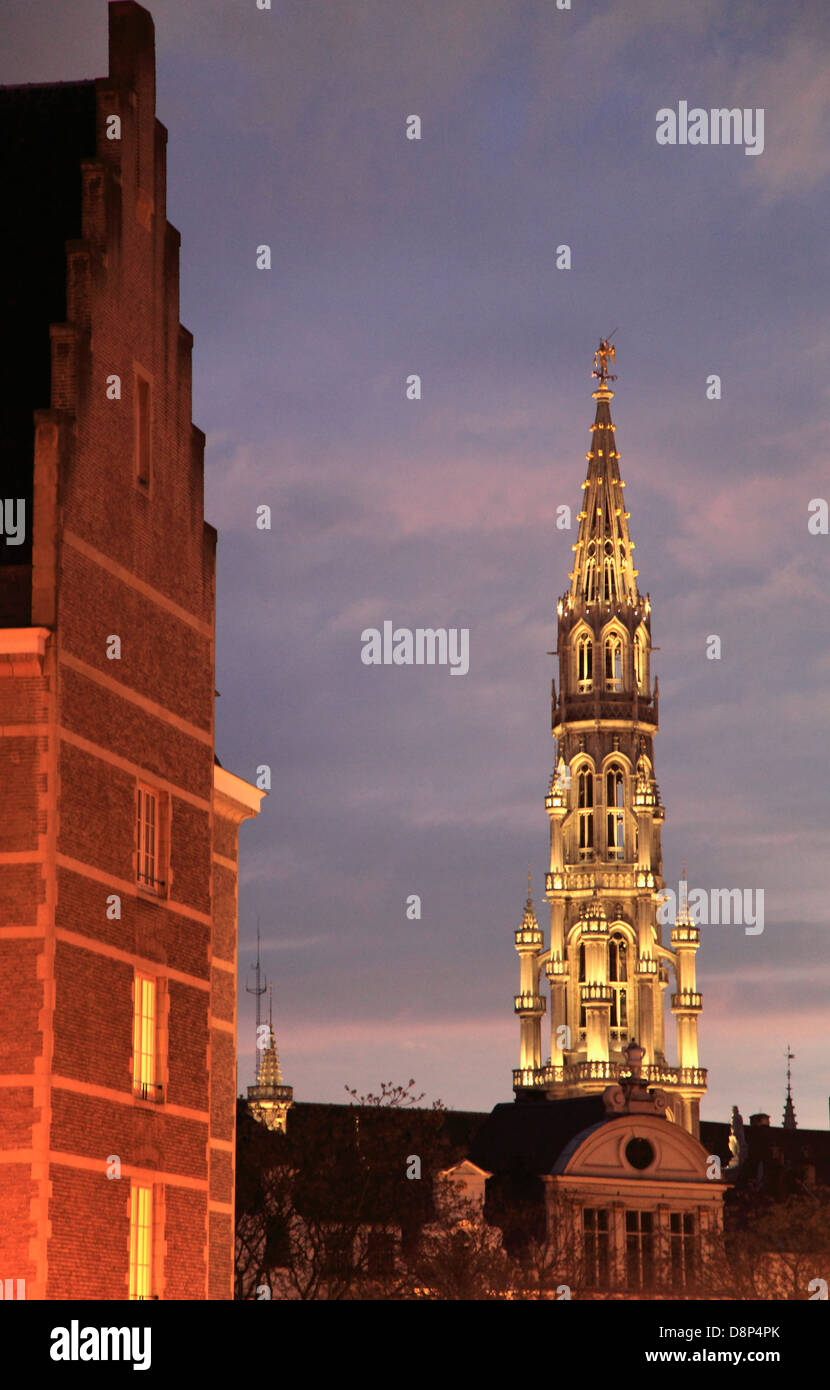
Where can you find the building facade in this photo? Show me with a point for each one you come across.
(118, 827)
(606, 963)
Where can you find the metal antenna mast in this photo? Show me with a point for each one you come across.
(258, 989)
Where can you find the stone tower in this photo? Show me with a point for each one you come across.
(607, 964)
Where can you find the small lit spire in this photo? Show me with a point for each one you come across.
(529, 922)
(789, 1108)
(683, 918)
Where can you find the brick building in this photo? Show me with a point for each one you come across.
(118, 827)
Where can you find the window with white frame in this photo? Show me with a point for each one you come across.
(141, 1241)
(148, 839)
(146, 1037)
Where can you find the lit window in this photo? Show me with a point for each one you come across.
(142, 430)
(590, 589)
(147, 839)
(141, 1240)
(618, 979)
(613, 663)
(585, 662)
(145, 1037)
(585, 806)
(615, 802)
(582, 1020)
(595, 1247)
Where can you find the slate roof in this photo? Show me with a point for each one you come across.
(777, 1159)
(528, 1136)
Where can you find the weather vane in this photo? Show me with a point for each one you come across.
(605, 350)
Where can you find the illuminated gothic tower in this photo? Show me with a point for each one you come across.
(607, 964)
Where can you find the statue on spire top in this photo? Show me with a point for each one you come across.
(605, 350)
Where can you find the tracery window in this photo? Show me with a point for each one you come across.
(585, 662)
(615, 803)
(613, 663)
(585, 811)
(618, 980)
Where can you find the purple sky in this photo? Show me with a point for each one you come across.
(438, 257)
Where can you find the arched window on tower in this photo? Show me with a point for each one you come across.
(589, 592)
(610, 580)
(639, 663)
(582, 1024)
(618, 980)
(613, 663)
(585, 663)
(615, 810)
(585, 810)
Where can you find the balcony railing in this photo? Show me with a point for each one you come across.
(596, 994)
(529, 1003)
(687, 1001)
(279, 1095)
(685, 935)
(529, 936)
(574, 1073)
(148, 1090)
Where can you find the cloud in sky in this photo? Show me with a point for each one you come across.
(392, 257)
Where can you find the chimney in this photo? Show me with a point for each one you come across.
(759, 1119)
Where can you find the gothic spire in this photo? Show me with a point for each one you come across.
(603, 569)
(789, 1108)
(269, 1067)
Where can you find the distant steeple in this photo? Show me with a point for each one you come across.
(789, 1109)
(269, 1099)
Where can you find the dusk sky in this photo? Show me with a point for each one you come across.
(438, 257)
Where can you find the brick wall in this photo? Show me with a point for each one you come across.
(116, 551)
